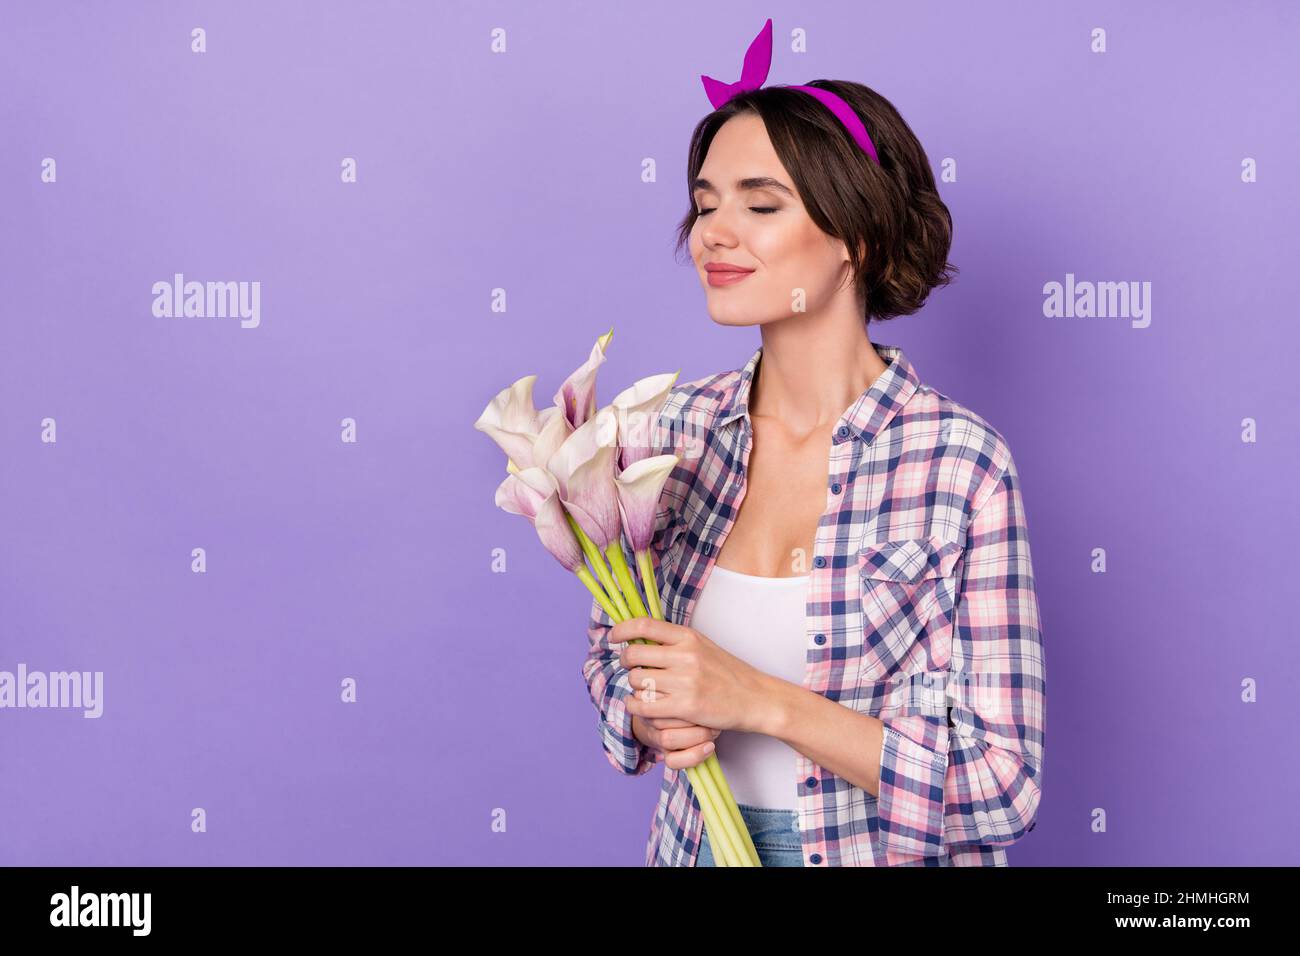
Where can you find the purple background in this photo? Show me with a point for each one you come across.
(522, 171)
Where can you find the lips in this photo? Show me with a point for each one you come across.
(722, 274)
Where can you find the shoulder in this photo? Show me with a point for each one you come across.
(685, 427)
(691, 409)
(961, 433)
(698, 401)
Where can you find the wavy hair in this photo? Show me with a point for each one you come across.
(896, 228)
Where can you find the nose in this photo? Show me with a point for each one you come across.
(717, 230)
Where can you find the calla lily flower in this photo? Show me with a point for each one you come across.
(583, 468)
(512, 421)
(554, 432)
(576, 398)
(638, 409)
(534, 494)
(639, 486)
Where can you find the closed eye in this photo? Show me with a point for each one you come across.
(764, 210)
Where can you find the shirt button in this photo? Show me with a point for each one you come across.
(811, 781)
(820, 638)
(844, 431)
(835, 488)
(815, 859)
(819, 561)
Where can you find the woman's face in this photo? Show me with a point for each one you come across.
(760, 226)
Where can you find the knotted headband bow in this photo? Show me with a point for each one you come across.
(758, 61)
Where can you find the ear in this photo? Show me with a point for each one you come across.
(844, 251)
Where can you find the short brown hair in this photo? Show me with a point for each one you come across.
(892, 210)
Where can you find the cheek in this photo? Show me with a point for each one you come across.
(776, 243)
(798, 259)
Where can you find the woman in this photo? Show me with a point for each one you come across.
(842, 550)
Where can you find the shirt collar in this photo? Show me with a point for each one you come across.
(865, 418)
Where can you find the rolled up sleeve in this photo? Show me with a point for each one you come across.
(609, 686)
(974, 777)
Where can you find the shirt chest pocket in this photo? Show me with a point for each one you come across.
(909, 587)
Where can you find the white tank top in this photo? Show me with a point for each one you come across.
(761, 620)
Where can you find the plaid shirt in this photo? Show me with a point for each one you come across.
(921, 611)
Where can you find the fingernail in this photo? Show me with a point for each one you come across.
(708, 748)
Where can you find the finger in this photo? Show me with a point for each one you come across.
(683, 738)
(661, 632)
(660, 706)
(651, 682)
(668, 723)
(646, 655)
(682, 759)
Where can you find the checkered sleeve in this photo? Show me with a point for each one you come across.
(974, 777)
(609, 686)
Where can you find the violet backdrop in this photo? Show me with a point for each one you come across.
(522, 171)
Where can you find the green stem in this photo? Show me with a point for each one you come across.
(618, 564)
(705, 793)
(712, 767)
(645, 564)
(732, 809)
(597, 592)
(599, 566)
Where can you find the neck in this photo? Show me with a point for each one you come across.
(812, 370)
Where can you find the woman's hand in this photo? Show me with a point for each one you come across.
(680, 741)
(690, 678)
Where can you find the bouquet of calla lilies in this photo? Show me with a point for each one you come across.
(585, 478)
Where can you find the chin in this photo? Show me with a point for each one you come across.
(730, 311)
(738, 314)
(733, 316)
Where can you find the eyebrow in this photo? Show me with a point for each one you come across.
(753, 182)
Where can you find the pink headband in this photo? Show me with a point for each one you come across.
(758, 60)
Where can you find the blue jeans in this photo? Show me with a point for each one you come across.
(774, 833)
